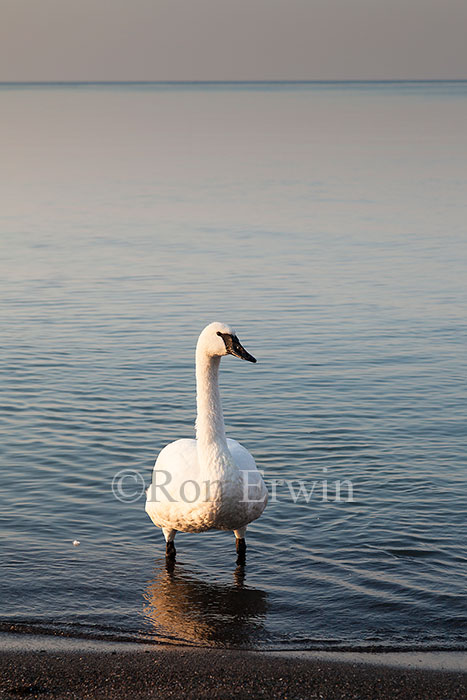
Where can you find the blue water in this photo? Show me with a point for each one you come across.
(326, 223)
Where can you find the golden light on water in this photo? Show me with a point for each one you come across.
(181, 607)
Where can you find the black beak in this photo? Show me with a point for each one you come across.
(239, 351)
(234, 347)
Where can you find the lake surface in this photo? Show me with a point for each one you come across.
(327, 224)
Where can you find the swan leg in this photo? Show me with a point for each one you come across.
(240, 545)
(170, 550)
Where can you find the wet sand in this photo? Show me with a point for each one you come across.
(190, 673)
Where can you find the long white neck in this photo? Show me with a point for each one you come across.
(210, 419)
(213, 454)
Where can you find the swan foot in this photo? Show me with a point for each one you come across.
(170, 551)
(240, 545)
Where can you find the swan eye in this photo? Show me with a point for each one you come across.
(227, 338)
(228, 341)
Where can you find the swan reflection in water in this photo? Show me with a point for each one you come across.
(183, 608)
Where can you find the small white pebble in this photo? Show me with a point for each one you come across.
(76, 543)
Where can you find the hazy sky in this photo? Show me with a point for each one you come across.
(232, 39)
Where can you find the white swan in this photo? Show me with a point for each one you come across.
(210, 483)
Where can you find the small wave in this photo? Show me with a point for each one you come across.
(77, 632)
(413, 552)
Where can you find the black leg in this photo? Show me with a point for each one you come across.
(241, 550)
(170, 550)
(169, 565)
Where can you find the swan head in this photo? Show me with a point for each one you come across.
(218, 339)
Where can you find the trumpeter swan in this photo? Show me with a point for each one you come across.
(210, 483)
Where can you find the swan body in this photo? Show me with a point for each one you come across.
(223, 509)
(211, 482)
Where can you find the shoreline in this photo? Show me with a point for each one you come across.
(430, 660)
(39, 667)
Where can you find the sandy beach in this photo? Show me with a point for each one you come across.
(113, 671)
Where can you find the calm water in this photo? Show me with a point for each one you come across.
(327, 224)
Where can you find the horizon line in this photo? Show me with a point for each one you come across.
(274, 81)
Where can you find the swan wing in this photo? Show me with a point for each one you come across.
(180, 459)
(255, 490)
(176, 464)
(242, 458)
